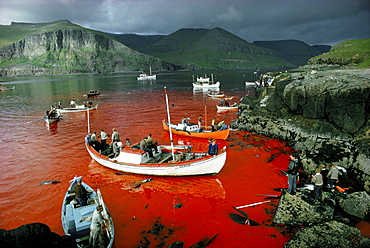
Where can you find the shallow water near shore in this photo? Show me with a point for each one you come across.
(160, 212)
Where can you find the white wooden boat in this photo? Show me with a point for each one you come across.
(216, 95)
(181, 161)
(252, 84)
(78, 108)
(76, 220)
(144, 76)
(226, 108)
(51, 119)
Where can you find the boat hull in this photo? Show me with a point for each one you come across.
(224, 108)
(206, 85)
(207, 165)
(76, 220)
(77, 109)
(222, 135)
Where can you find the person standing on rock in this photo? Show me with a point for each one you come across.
(318, 181)
(333, 176)
(292, 174)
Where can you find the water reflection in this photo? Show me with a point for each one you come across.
(52, 127)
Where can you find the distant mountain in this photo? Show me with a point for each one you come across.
(213, 49)
(137, 42)
(294, 51)
(62, 47)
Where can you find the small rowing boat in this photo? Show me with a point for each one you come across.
(78, 108)
(235, 106)
(52, 117)
(193, 131)
(93, 93)
(76, 219)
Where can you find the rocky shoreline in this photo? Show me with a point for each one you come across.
(324, 114)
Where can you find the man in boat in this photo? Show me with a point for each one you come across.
(95, 142)
(117, 146)
(150, 143)
(96, 228)
(144, 146)
(88, 139)
(213, 124)
(115, 135)
(60, 105)
(73, 104)
(219, 125)
(81, 192)
(103, 139)
(212, 147)
(224, 127)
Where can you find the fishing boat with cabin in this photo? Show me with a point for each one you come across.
(205, 83)
(76, 219)
(144, 76)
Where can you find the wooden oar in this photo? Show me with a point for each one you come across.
(253, 204)
(35, 120)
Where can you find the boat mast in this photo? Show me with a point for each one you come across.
(88, 121)
(169, 122)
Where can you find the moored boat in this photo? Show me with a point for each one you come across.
(216, 95)
(93, 93)
(76, 219)
(235, 106)
(179, 161)
(144, 76)
(78, 108)
(193, 131)
(205, 83)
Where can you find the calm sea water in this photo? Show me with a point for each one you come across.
(34, 152)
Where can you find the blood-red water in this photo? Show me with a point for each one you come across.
(33, 152)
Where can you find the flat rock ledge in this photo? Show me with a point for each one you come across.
(328, 234)
(323, 223)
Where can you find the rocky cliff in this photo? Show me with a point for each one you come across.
(70, 51)
(324, 114)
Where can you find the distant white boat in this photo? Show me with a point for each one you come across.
(205, 83)
(144, 76)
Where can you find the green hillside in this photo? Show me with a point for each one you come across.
(351, 52)
(215, 48)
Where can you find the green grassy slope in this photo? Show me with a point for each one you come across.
(355, 52)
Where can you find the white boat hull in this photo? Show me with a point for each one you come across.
(206, 85)
(78, 108)
(131, 163)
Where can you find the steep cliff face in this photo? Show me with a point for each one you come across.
(324, 114)
(72, 51)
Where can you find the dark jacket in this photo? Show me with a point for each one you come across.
(293, 167)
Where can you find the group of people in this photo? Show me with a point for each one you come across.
(225, 103)
(51, 113)
(215, 126)
(97, 221)
(115, 146)
(331, 179)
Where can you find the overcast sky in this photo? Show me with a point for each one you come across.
(315, 22)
